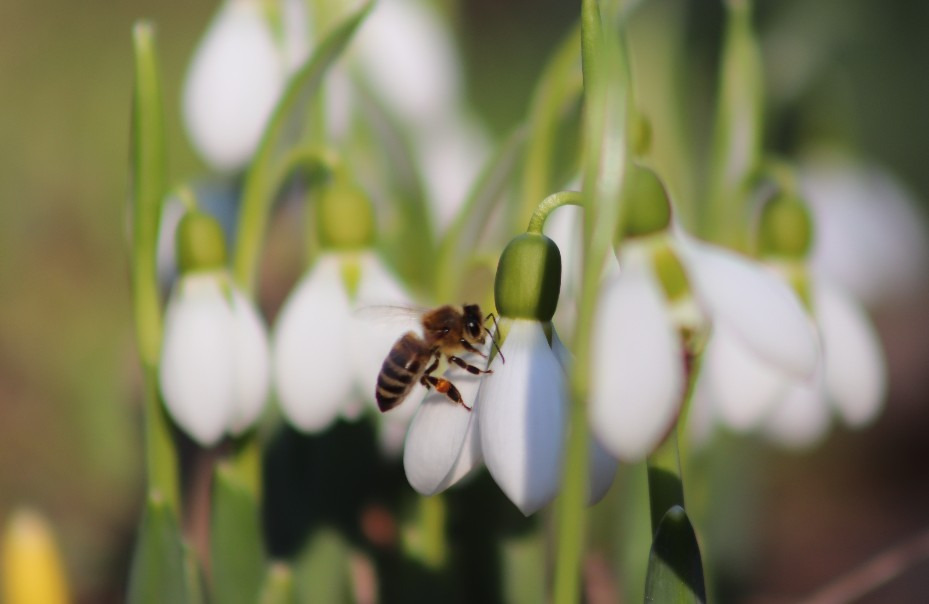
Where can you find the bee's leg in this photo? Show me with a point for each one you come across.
(431, 368)
(470, 347)
(469, 368)
(445, 387)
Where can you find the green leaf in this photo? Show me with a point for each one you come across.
(235, 540)
(737, 138)
(474, 216)
(279, 585)
(147, 181)
(322, 572)
(148, 191)
(159, 570)
(675, 569)
(285, 128)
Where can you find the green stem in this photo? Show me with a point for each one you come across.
(549, 204)
(432, 521)
(160, 455)
(148, 190)
(606, 78)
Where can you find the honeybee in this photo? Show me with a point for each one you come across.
(447, 331)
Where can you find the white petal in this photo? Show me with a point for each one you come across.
(370, 340)
(197, 366)
(742, 388)
(296, 33)
(312, 374)
(870, 237)
(451, 153)
(602, 464)
(855, 373)
(252, 361)
(638, 379)
(801, 418)
(405, 53)
(521, 410)
(702, 418)
(443, 442)
(232, 85)
(760, 309)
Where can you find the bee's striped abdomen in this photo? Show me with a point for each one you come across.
(404, 365)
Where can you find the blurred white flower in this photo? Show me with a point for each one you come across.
(405, 54)
(324, 355)
(214, 370)
(235, 78)
(851, 380)
(870, 237)
(640, 372)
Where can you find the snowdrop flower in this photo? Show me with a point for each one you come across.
(518, 422)
(325, 356)
(214, 370)
(870, 239)
(237, 74)
(852, 374)
(655, 314)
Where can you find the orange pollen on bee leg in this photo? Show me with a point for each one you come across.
(443, 386)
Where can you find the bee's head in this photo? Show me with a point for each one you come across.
(474, 323)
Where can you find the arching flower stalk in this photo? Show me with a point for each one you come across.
(325, 356)
(214, 370)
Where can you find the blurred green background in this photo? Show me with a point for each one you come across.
(70, 423)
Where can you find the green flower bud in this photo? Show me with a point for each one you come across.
(344, 217)
(640, 135)
(670, 272)
(528, 278)
(785, 229)
(647, 208)
(201, 244)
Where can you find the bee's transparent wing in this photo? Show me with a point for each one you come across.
(408, 317)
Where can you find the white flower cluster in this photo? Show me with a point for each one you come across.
(402, 52)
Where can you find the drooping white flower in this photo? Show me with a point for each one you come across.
(850, 377)
(523, 415)
(324, 355)
(851, 381)
(214, 370)
(443, 443)
(871, 240)
(640, 372)
(235, 79)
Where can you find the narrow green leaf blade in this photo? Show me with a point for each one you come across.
(675, 568)
(322, 570)
(235, 541)
(159, 571)
(279, 585)
(286, 125)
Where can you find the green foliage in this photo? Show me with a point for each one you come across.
(675, 569)
(236, 548)
(160, 570)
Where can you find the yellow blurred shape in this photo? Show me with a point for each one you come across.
(31, 571)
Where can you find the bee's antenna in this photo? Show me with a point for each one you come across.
(492, 338)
